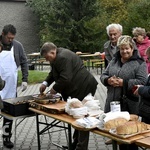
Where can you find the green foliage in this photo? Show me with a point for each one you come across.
(138, 15)
(81, 25)
(66, 23)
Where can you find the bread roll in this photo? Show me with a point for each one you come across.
(131, 127)
(76, 104)
(114, 123)
(133, 117)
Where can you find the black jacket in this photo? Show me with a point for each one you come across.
(144, 91)
(70, 76)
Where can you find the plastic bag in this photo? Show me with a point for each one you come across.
(88, 122)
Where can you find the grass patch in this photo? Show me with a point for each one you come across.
(34, 76)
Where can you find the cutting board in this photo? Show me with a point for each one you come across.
(54, 108)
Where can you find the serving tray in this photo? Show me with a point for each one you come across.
(54, 108)
(113, 132)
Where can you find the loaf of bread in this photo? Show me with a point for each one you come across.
(114, 123)
(132, 127)
(75, 104)
(133, 117)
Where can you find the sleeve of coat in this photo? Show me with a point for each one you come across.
(144, 91)
(105, 75)
(140, 76)
(49, 79)
(65, 70)
(23, 63)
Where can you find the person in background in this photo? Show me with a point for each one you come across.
(125, 70)
(11, 57)
(71, 79)
(142, 42)
(114, 31)
(144, 91)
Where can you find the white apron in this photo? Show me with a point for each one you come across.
(9, 73)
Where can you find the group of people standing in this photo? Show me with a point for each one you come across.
(127, 66)
(127, 69)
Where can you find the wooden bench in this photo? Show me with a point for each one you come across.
(99, 64)
(41, 62)
(93, 61)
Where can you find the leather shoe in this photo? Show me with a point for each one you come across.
(7, 143)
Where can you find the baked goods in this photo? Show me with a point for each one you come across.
(114, 123)
(75, 103)
(132, 127)
(133, 117)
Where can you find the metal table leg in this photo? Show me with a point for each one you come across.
(38, 134)
(114, 144)
(69, 137)
(15, 134)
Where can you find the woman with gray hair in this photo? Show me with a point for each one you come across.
(142, 42)
(124, 71)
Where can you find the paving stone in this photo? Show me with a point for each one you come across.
(26, 131)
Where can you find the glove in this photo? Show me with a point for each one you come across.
(24, 86)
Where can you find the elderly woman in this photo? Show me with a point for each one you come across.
(125, 70)
(142, 43)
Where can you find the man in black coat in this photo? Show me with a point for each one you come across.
(71, 79)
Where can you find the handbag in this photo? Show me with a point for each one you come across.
(124, 100)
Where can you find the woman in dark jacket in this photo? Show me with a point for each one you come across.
(125, 70)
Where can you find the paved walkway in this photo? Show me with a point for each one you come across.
(26, 131)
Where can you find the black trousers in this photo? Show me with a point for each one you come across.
(80, 140)
(7, 127)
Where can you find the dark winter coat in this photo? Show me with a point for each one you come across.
(133, 72)
(70, 76)
(144, 91)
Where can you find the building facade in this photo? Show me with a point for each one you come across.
(26, 22)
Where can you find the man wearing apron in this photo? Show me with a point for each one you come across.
(11, 57)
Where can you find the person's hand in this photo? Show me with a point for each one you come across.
(115, 81)
(111, 80)
(24, 86)
(136, 91)
(119, 81)
(42, 88)
(52, 91)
